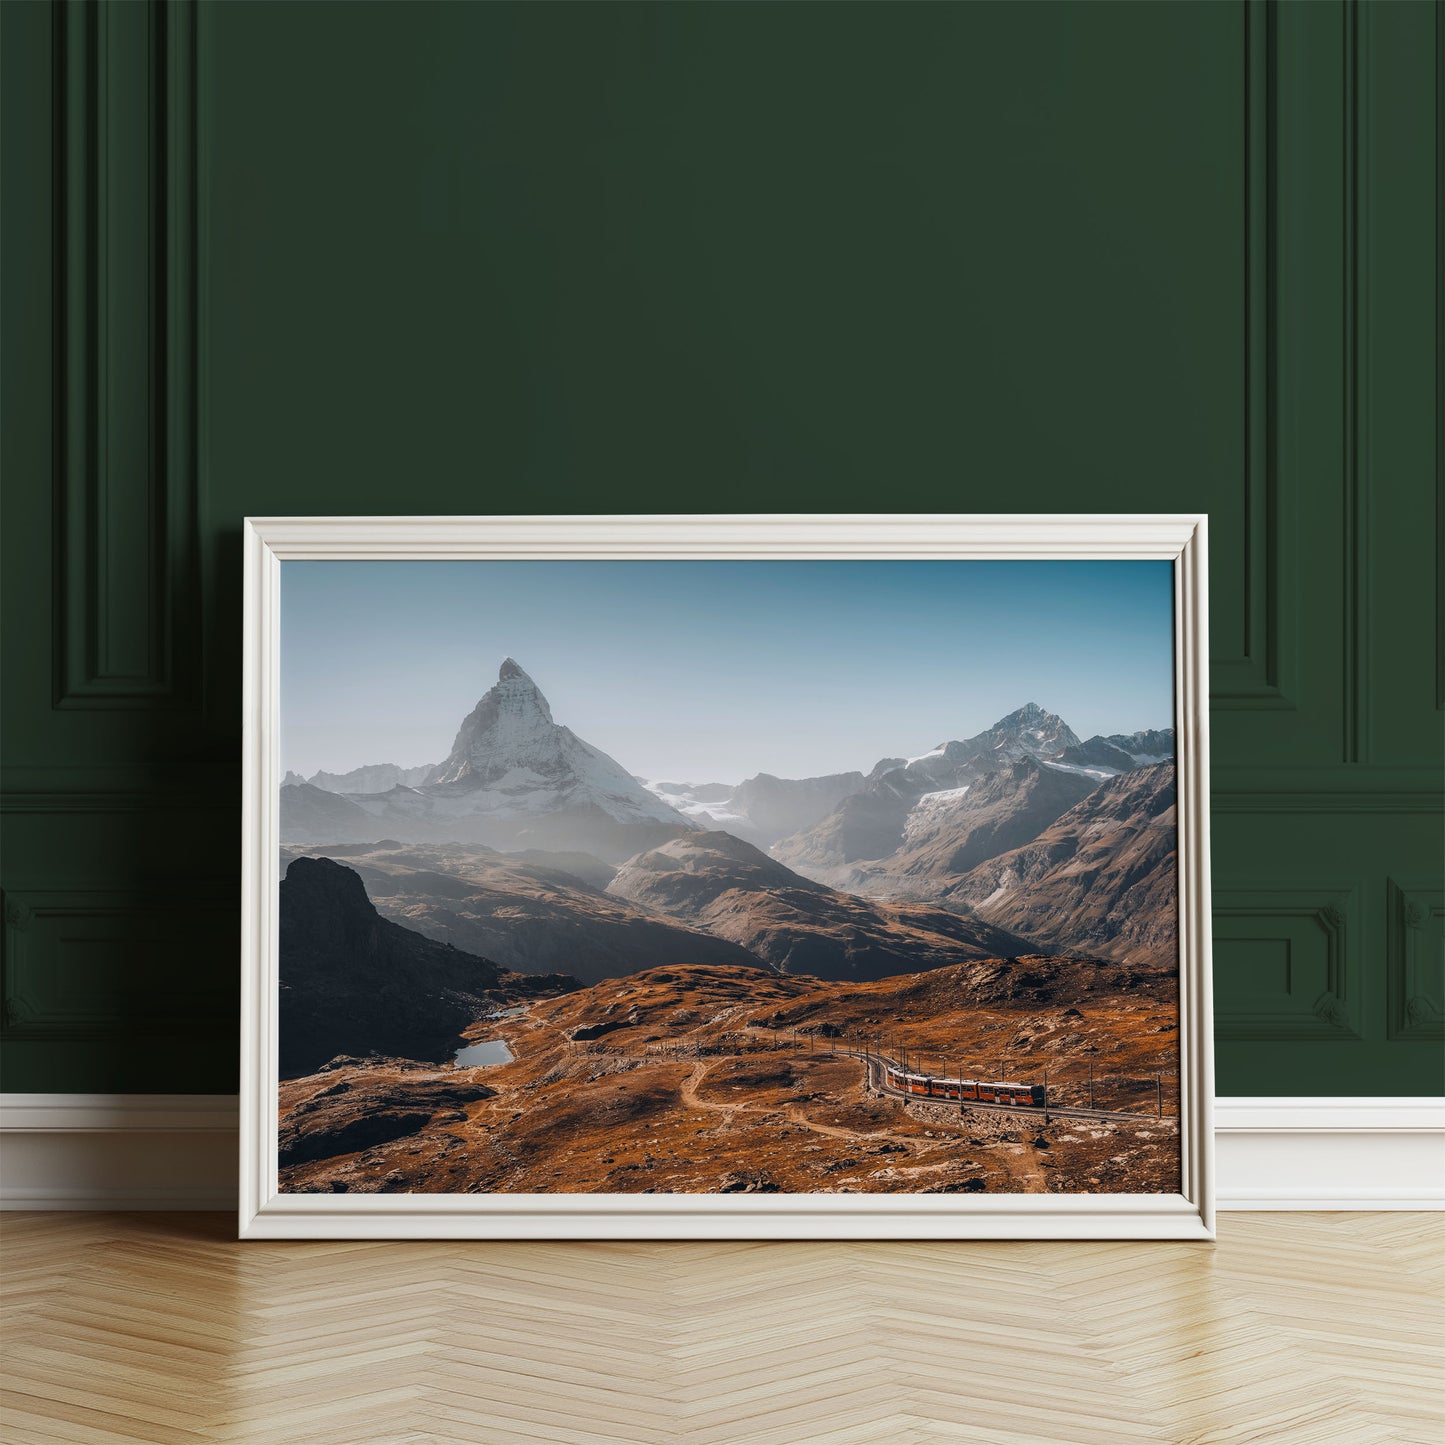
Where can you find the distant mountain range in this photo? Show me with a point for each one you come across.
(376, 778)
(761, 809)
(873, 823)
(1020, 839)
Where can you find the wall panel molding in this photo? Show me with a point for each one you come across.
(126, 543)
(1284, 961)
(1439, 255)
(222, 162)
(1366, 789)
(85, 963)
(118, 789)
(1415, 921)
(1355, 595)
(1257, 671)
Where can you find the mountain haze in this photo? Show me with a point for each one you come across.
(525, 915)
(720, 883)
(761, 809)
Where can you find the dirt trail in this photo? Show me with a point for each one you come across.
(688, 1091)
(794, 1113)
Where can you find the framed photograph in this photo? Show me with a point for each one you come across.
(726, 877)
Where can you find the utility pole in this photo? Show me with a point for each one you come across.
(1046, 1096)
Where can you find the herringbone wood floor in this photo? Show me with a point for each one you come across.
(1296, 1328)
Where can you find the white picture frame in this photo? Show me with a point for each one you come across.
(266, 1213)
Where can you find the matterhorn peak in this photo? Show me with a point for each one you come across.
(510, 759)
(511, 724)
(515, 776)
(515, 694)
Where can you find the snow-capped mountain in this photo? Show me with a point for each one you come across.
(510, 758)
(513, 775)
(1030, 732)
(920, 793)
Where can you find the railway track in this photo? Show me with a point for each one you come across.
(876, 1081)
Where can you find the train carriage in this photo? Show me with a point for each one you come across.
(999, 1091)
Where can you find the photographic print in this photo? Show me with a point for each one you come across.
(727, 877)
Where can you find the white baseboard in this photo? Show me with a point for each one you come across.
(179, 1151)
(118, 1151)
(1329, 1153)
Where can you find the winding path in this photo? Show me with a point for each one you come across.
(793, 1113)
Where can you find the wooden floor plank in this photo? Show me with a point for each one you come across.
(1297, 1329)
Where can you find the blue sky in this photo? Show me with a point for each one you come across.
(714, 671)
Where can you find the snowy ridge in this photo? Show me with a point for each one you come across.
(1028, 732)
(371, 778)
(906, 801)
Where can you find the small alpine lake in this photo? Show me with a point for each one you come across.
(480, 1055)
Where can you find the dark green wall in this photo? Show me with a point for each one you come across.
(411, 258)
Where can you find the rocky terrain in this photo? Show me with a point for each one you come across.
(720, 884)
(352, 982)
(679, 1004)
(733, 1080)
(947, 834)
(1103, 877)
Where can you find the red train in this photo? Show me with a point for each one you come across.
(926, 1086)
